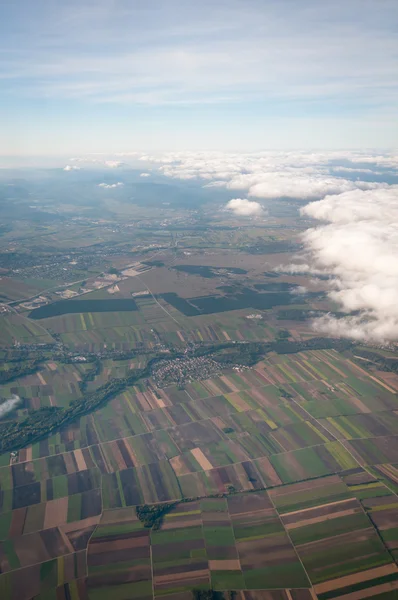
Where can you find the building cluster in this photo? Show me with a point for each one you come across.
(182, 370)
(60, 268)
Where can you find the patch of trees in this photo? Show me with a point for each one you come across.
(207, 595)
(91, 374)
(153, 263)
(283, 334)
(127, 355)
(301, 314)
(286, 347)
(271, 247)
(152, 516)
(37, 425)
(19, 370)
(88, 375)
(284, 394)
(33, 353)
(247, 358)
(383, 363)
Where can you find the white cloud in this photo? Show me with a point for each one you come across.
(9, 405)
(113, 164)
(145, 175)
(244, 208)
(269, 175)
(72, 168)
(357, 244)
(302, 186)
(109, 186)
(356, 206)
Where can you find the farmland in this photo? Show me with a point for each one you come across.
(269, 485)
(168, 367)
(211, 542)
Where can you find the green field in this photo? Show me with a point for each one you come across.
(282, 470)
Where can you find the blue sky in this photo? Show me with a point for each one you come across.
(119, 75)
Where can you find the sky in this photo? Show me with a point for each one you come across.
(231, 75)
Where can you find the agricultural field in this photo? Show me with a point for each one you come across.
(288, 541)
(276, 469)
(229, 542)
(340, 549)
(53, 384)
(287, 464)
(17, 328)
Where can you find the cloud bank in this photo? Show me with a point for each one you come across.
(356, 241)
(357, 245)
(269, 175)
(109, 186)
(244, 208)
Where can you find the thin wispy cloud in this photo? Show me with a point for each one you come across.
(243, 74)
(179, 52)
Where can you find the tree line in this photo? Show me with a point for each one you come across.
(45, 421)
(18, 370)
